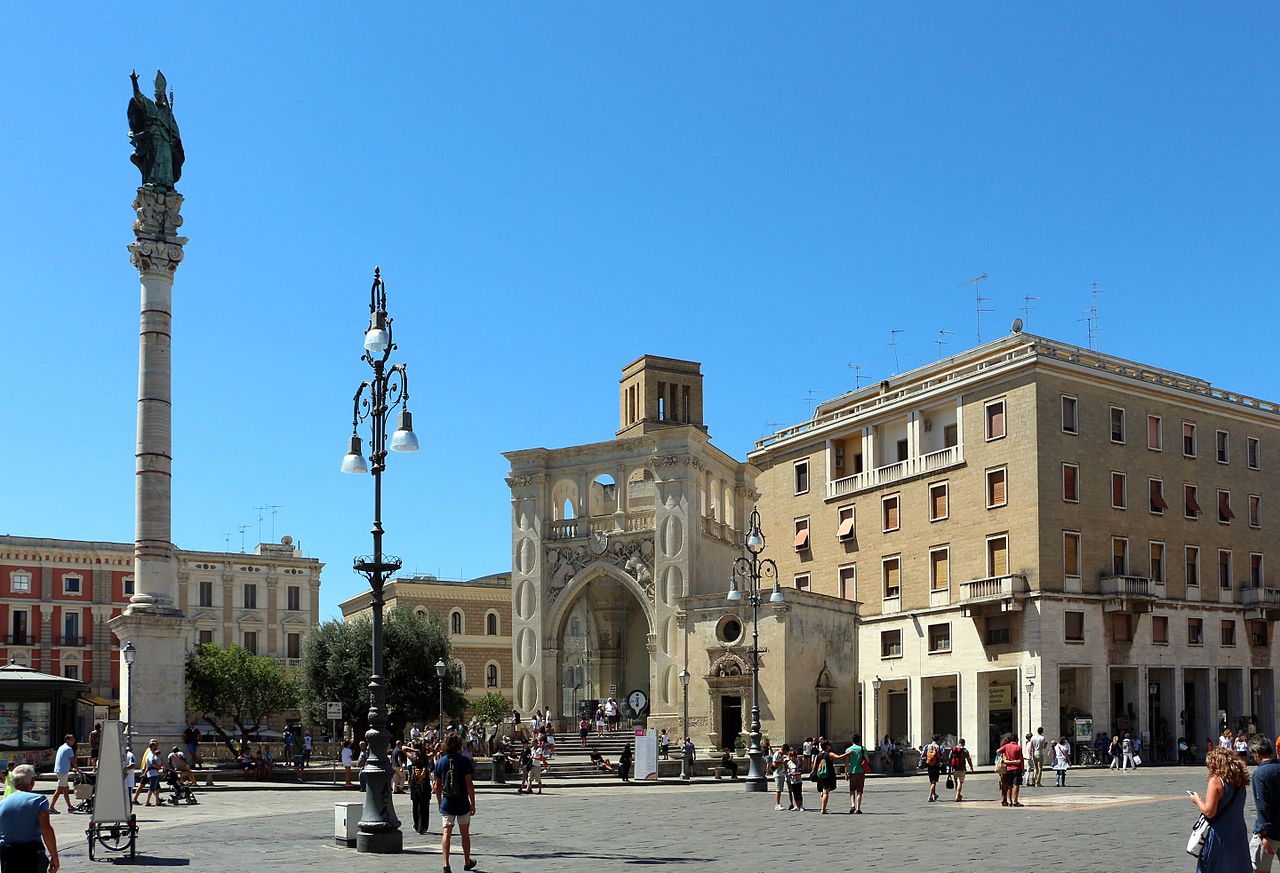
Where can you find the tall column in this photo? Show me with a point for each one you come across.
(155, 705)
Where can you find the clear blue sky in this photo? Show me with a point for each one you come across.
(554, 189)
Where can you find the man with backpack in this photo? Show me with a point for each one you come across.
(961, 763)
(932, 754)
(455, 791)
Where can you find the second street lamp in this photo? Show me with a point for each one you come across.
(752, 572)
(684, 756)
(375, 400)
(440, 671)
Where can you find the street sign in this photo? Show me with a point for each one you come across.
(334, 709)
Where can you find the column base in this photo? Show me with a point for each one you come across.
(380, 842)
(754, 785)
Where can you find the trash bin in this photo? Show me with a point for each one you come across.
(499, 769)
(897, 763)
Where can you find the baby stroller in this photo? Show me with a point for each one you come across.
(181, 790)
(83, 783)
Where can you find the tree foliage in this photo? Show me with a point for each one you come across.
(337, 660)
(492, 708)
(233, 683)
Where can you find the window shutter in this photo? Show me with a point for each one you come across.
(939, 502)
(802, 539)
(997, 488)
(999, 557)
(941, 577)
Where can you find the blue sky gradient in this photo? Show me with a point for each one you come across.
(552, 190)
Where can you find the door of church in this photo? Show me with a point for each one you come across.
(730, 719)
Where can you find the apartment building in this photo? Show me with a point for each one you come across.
(56, 596)
(1038, 533)
(476, 614)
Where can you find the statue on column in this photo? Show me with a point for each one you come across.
(153, 131)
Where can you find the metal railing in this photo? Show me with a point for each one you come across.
(918, 466)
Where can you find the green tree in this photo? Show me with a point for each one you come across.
(492, 708)
(233, 683)
(337, 660)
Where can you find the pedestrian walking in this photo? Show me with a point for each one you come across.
(95, 743)
(29, 843)
(422, 763)
(584, 729)
(1061, 762)
(1012, 760)
(689, 752)
(961, 763)
(858, 758)
(1114, 751)
(1127, 754)
(795, 781)
(1039, 745)
(824, 773)
(64, 763)
(932, 756)
(346, 762)
(539, 764)
(1266, 800)
(664, 745)
(776, 766)
(455, 791)
(1227, 848)
(526, 769)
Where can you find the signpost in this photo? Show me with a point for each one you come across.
(646, 766)
(333, 711)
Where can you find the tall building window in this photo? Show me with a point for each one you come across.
(251, 642)
(1071, 483)
(998, 556)
(293, 598)
(940, 568)
(847, 582)
(1224, 507)
(995, 420)
(1189, 439)
(1117, 424)
(1222, 441)
(206, 592)
(205, 637)
(491, 676)
(1120, 556)
(891, 573)
(250, 597)
(1256, 577)
(293, 646)
(1192, 561)
(802, 477)
(1119, 490)
(1224, 568)
(1155, 433)
(1071, 554)
(1228, 632)
(1074, 631)
(70, 628)
(71, 584)
(889, 513)
(1191, 504)
(1156, 489)
(938, 508)
(1121, 627)
(1070, 423)
(1160, 630)
(491, 624)
(1195, 632)
(997, 490)
(1157, 561)
(455, 622)
(891, 644)
(1253, 453)
(1255, 510)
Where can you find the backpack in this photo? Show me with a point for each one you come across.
(957, 758)
(455, 784)
(931, 755)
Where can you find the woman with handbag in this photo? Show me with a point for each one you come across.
(1061, 762)
(824, 772)
(1225, 847)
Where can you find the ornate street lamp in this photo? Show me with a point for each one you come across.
(130, 654)
(753, 571)
(1031, 725)
(374, 401)
(875, 713)
(684, 759)
(440, 671)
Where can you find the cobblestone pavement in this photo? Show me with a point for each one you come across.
(1103, 821)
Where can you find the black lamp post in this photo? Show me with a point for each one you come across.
(752, 570)
(374, 402)
(1031, 724)
(875, 712)
(684, 758)
(130, 654)
(441, 669)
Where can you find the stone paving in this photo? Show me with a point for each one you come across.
(1103, 821)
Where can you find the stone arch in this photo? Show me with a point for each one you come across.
(730, 666)
(564, 496)
(559, 613)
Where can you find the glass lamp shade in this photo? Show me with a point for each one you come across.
(440, 668)
(734, 594)
(776, 596)
(755, 541)
(684, 678)
(875, 683)
(376, 339)
(404, 439)
(130, 653)
(353, 460)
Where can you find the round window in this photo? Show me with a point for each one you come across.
(730, 630)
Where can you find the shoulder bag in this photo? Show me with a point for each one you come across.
(1200, 830)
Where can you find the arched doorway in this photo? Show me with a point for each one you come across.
(603, 640)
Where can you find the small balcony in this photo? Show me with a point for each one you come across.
(67, 641)
(1261, 603)
(1125, 593)
(574, 528)
(993, 595)
(19, 640)
(921, 465)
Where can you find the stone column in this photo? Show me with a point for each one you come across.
(155, 705)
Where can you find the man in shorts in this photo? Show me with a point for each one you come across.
(778, 764)
(856, 755)
(961, 763)
(1011, 780)
(455, 791)
(63, 763)
(1266, 797)
(932, 755)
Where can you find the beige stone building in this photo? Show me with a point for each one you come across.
(1038, 532)
(56, 596)
(621, 553)
(476, 613)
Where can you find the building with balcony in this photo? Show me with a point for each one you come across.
(56, 596)
(621, 553)
(475, 613)
(1038, 532)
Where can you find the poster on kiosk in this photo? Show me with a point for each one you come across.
(646, 767)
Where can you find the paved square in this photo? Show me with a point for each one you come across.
(1103, 822)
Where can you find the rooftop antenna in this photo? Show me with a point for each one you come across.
(273, 508)
(242, 528)
(226, 538)
(893, 342)
(771, 427)
(978, 300)
(857, 374)
(942, 340)
(1027, 307)
(808, 397)
(1092, 329)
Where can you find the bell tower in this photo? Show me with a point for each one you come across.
(657, 393)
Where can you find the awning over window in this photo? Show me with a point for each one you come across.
(802, 539)
(846, 528)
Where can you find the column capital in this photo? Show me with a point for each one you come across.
(157, 249)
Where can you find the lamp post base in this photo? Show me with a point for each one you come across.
(380, 842)
(756, 780)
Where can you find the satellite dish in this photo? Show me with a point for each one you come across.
(1017, 325)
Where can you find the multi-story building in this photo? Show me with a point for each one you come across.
(56, 596)
(1039, 533)
(476, 614)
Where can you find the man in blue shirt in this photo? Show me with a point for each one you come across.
(1266, 797)
(63, 763)
(455, 791)
(25, 829)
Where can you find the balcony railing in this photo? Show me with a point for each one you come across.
(920, 465)
(994, 587)
(1261, 597)
(572, 528)
(75, 640)
(1128, 586)
(20, 640)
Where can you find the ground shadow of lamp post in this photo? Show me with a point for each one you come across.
(684, 757)
(753, 572)
(374, 401)
(130, 654)
(441, 669)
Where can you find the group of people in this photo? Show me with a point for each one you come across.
(814, 760)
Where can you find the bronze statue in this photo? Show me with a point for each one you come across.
(157, 145)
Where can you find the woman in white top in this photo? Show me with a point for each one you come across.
(346, 762)
(1061, 761)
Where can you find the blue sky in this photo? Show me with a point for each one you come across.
(552, 190)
